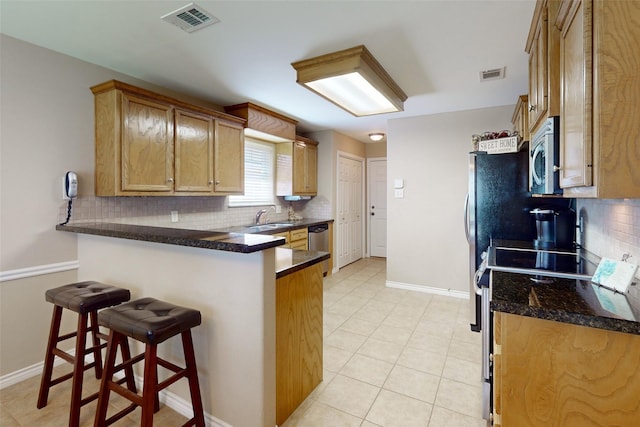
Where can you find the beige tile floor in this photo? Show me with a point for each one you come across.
(392, 358)
(18, 405)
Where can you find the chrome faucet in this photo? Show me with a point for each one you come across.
(259, 215)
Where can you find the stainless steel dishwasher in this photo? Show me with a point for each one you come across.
(319, 241)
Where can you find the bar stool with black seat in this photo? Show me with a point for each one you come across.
(84, 298)
(151, 322)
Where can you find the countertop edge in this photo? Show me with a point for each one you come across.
(310, 259)
(180, 237)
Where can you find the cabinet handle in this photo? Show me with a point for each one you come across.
(210, 182)
(556, 168)
(170, 180)
(217, 182)
(532, 107)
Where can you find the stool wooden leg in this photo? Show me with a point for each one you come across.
(192, 375)
(107, 375)
(45, 382)
(150, 386)
(78, 370)
(97, 354)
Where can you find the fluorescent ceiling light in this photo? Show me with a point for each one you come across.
(353, 80)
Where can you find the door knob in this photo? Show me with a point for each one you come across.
(373, 214)
(373, 207)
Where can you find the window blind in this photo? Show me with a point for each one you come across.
(258, 175)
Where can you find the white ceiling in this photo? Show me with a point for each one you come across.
(433, 49)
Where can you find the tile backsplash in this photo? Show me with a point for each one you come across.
(611, 227)
(198, 213)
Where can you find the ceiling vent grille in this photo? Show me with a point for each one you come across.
(190, 18)
(495, 74)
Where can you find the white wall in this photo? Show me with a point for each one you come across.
(46, 128)
(426, 245)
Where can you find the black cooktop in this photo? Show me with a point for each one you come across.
(552, 263)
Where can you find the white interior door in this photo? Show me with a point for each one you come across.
(377, 182)
(350, 209)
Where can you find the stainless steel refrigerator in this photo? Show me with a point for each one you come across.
(497, 207)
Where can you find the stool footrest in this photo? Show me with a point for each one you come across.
(61, 378)
(63, 355)
(121, 414)
(67, 336)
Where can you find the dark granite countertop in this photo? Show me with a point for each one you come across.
(579, 302)
(291, 260)
(217, 240)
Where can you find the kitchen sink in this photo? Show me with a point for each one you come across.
(266, 227)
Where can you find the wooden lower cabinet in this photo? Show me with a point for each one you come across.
(550, 373)
(295, 239)
(299, 239)
(298, 338)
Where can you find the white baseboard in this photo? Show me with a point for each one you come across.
(172, 400)
(428, 289)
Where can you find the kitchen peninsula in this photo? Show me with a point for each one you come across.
(231, 279)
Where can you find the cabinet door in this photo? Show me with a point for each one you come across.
(312, 169)
(193, 152)
(538, 73)
(147, 145)
(229, 158)
(576, 97)
(299, 168)
(305, 169)
(560, 374)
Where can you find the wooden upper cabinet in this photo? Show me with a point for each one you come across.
(520, 118)
(297, 168)
(148, 144)
(599, 132)
(229, 158)
(305, 167)
(194, 135)
(544, 74)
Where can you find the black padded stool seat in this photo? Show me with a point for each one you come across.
(85, 298)
(151, 322)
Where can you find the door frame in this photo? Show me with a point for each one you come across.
(350, 156)
(369, 161)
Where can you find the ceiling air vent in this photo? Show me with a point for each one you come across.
(190, 18)
(495, 74)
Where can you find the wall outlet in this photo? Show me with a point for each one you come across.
(174, 216)
(278, 209)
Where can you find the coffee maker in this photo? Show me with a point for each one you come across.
(555, 228)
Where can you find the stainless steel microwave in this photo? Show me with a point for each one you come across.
(544, 158)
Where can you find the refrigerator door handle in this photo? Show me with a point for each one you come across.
(466, 218)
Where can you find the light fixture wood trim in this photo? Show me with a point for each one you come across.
(355, 59)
